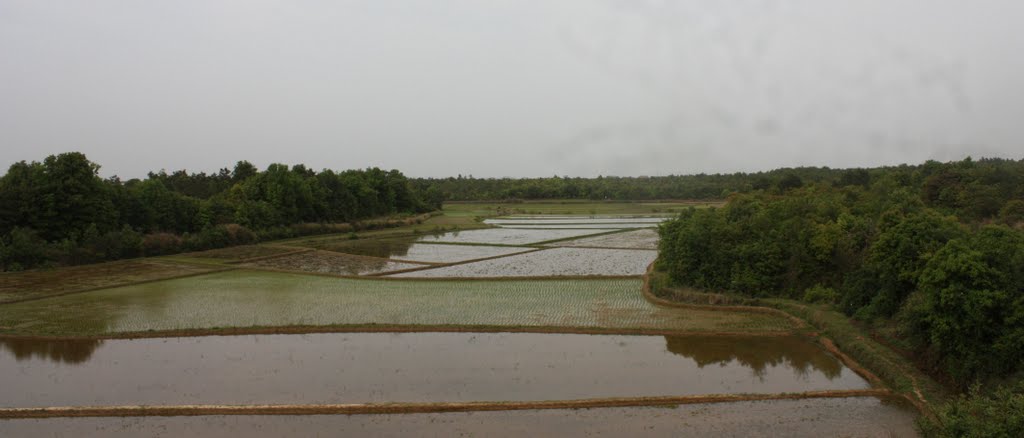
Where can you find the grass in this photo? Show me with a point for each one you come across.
(898, 372)
(18, 286)
(238, 299)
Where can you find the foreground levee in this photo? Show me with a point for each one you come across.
(846, 417)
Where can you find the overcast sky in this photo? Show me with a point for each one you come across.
(511, 88)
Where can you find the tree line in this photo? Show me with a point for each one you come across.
(59, 211)
(700, 186)
(935, 252)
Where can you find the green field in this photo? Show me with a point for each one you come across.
(267, 299)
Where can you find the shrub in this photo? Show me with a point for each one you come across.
(23, 249)
(239, 235)
(1012, 213)
(161, 243)
(1000, 414)
(820, 294)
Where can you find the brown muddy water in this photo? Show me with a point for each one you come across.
(406, 249)
(848, 417)
(407, 367)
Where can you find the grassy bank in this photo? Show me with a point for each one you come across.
(896, 371)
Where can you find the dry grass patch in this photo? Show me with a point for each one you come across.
(244, 252)
(18, 286)
(332, 263)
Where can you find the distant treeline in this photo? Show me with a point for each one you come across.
(702, 186)
(936, 250)
(60, 211)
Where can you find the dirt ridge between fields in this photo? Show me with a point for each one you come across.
(408, 408)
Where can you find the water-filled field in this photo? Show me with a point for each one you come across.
(412, 367)
(442, 360)
(825, 417)
(253, 298)
(577, 226)
(550, 262)
(407, 249)
(569, 220)
(333, 263)
(438, 253)
(507, 236)
(639, 239)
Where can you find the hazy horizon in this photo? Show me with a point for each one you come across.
(511, 88)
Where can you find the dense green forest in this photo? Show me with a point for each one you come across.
(934, 253)
(700, 186)
(60, 211)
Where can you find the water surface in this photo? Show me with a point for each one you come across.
(507, 236)
(410, 367)
(549, 262)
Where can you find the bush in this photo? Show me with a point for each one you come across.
(113, 245)
(22, 249)
(1012, 213)
(1000, 414)
(239, 235)
(820, 294)
(161, 243)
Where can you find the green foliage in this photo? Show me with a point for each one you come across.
(76, 217)
(971, 305)
(897, 257)
(759, 245)
(976, 414)
(820, 295)
(22, 249)
(1012, 213)
(904, 243)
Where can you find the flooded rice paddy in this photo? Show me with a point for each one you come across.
(333, 263)
(639, 239)
(268, 299)
(550, 262)
(437, 253)
(427, 367)
(508, 236)
(408, 367)
(576, 226)
(385, 248)
(564, 220)
(847, 417)
(409, 250)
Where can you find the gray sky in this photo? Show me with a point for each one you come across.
(511, 88)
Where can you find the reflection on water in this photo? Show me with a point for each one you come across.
(60, 351)
(332, 262)
(756, 353)
(383, 248)
(413, 367)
